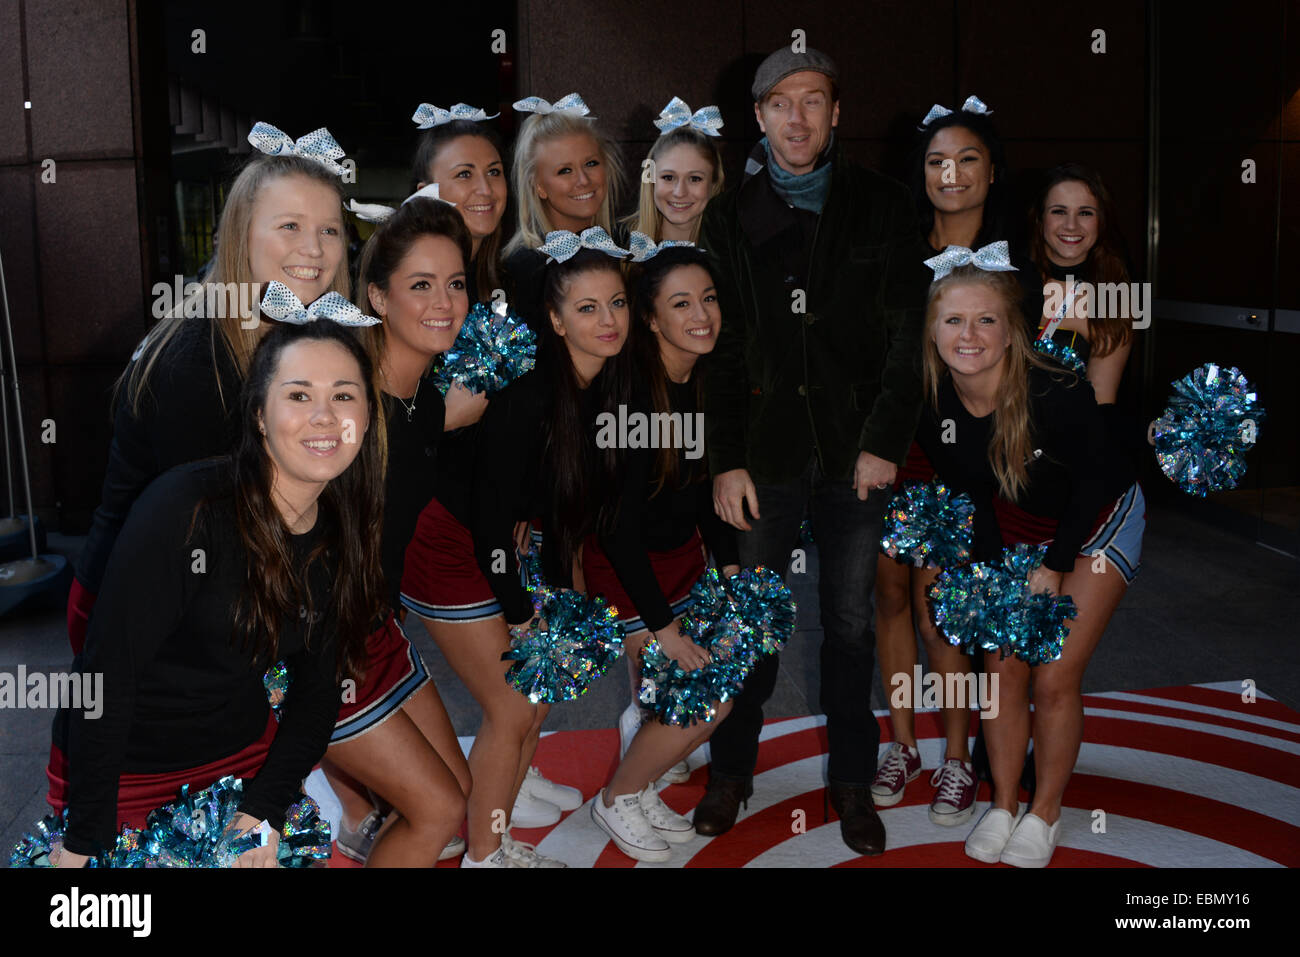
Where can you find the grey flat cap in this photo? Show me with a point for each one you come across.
(784, 62)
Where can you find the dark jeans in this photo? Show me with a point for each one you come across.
(847, 536)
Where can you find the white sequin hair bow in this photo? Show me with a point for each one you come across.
(995, 257)
(973, 104)
(428, 116)
(562, 245)
(279, 302)
(377, 212)
(707, 119)
(643, 247)
(317, 145)
(570, 104)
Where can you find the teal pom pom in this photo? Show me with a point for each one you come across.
(493, 348)
(737, 620)
(1062, 355)
(276, 682)
(989, 606)
(926, 524)
(1211, 422)
(581, 637)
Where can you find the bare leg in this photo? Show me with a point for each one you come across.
(896, 641)
(397, 761)
(351, 793)
(944, 659)
(1008, 734)
(474, 649)
(1058, 703)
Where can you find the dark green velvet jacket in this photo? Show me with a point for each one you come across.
(843, 375)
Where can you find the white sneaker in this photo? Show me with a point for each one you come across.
(455, 847)
(497, 858)
(525, 855)
(991, 834)
(560, 795)
(629, 722)
(532, 811)
(1032, 842)
(679, 773)
(667, 823)
(629, 829)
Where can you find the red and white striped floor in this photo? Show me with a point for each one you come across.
(1190, 776)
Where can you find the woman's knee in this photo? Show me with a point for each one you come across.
(514, 715)
(893, 598)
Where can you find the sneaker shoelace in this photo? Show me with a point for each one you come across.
(521, 851)
(634, 816)
(894, 768)
(654, 808)
(951, 778)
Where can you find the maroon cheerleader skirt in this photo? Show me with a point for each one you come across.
(676, 571)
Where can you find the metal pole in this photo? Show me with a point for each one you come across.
(18, 414)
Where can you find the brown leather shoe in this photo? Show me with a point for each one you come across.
(717, 810)
(860, 826)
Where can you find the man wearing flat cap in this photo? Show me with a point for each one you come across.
(811, 400)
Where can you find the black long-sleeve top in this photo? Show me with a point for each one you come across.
(1078, 471)
(178, 690)
(187, 413)
(504, 489)
(664, 520)
(525, 271)
(413, 451)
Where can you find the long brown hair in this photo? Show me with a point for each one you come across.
(1011, 440)
(351, 504)
(646, 279)
(231, 270)
(647, 218)
(1105, 260)
(487, 267)
(583, 482)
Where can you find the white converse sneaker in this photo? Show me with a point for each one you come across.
(629, 723)
(628, 828)
(559, 795)
(525, 855)
(497, 858)
(679, 773)
(455, 847)
(667, 823)
(531, 811)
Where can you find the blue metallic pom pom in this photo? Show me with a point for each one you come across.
(926, 524)
(276, 682)
(1211, 422)
(989, 606)
(1062, 355)
(737, 620)
(579, 638)
(191, 832)
(493, 348)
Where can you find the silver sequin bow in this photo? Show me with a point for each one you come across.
(973, 104)
(561, 244)
(428, 116)
(317, 145)
(280, 303)
(707, 119)
(569, 104)
(995, 257)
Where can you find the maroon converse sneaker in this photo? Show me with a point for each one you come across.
(954, 799)
(900, 765)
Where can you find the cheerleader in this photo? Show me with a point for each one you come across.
(647, 564)
(1073, 240)
(685, 167)
(177, 400)
(1032, 452)
(532, 460)
(566, 176)
(959, 184)
(221, 568)
(463, 157)
(393, 737)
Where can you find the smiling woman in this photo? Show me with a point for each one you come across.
(283, 221)
(222, 568)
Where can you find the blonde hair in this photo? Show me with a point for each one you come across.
(1011, 439)
(533, 224)
(231, 269)
(647, 218)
